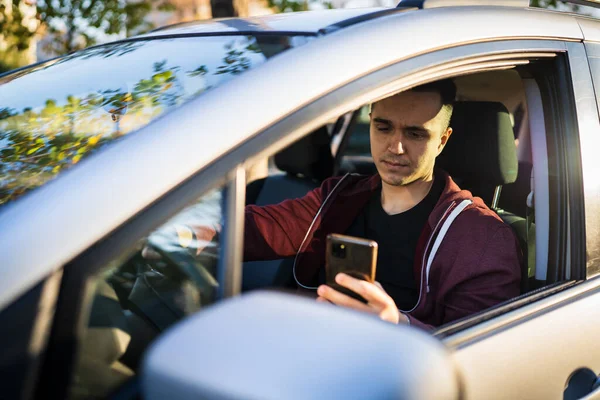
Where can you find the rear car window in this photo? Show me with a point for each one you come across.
(55, 114)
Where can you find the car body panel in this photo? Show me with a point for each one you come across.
(536, 356)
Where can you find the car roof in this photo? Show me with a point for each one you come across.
(310, 22)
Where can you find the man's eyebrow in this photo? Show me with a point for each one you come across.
(382, 120)
(416, 128)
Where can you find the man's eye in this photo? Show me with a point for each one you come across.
(416, 134)
(382, 128)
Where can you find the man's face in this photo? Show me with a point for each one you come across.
(408, 131)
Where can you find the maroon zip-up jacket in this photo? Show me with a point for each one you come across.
(477, 264)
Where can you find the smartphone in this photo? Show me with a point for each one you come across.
(353, 256)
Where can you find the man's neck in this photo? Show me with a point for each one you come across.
(398, 199)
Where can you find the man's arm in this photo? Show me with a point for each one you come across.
(270, 232)
(277, 231)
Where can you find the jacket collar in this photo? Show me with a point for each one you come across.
(363, 186)
(451, 193)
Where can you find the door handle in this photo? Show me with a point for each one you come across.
(583, 384)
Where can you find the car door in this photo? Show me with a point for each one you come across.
(540, 344)
(548, 349)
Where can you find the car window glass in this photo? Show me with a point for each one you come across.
(358, 143)
(171, 273)
(55, 114)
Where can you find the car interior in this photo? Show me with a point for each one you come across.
(491, 124)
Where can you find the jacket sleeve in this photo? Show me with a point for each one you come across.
(496, 278)
(412, 321)
(277, 231)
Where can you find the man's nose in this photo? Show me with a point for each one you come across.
(396, 146)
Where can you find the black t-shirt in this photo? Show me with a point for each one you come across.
(397, 236)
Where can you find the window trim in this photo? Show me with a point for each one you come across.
(232, 254)
(591, 162)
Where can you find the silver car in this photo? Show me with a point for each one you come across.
(108, 154)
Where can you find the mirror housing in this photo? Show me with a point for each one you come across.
(271, 346)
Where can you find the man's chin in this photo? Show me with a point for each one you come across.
(396, 180)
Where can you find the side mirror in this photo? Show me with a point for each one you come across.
(272, 346)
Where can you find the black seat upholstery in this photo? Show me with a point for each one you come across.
(481, 153)
(306, 163)
(481, 157)
(514, 195)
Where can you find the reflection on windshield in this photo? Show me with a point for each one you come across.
(53, 116)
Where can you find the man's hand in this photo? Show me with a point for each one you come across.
(378, 301)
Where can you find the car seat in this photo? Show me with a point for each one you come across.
(305, 164)
(481, 157)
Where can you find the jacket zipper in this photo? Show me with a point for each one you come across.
(309, 231)
(423, 264)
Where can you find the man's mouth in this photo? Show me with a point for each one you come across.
(395, 163)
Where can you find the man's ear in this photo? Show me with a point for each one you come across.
(444, 139)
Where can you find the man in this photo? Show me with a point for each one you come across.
(442, 255)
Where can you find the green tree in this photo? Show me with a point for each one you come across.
(282, 6)
(75, 24)
(18, 25)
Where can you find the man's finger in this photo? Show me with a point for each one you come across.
(370, 292)
(343, 300)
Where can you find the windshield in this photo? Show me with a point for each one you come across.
(55, 114)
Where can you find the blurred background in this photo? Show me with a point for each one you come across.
(32, 31)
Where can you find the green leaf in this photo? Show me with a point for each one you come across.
(31, 151)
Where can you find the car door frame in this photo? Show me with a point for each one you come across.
(227, 169)
(555, 332)
(590, 160)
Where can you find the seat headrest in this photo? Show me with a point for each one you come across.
(310, 156)
(482, 146)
